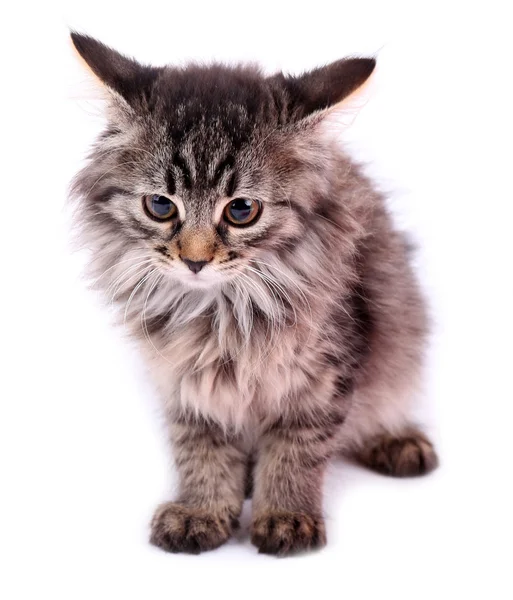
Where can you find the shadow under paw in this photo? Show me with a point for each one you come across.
(284, 533)
(178, 528)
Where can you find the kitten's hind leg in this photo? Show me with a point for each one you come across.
(406, 454)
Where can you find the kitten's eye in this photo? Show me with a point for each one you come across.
(242, 211)
(159, 208)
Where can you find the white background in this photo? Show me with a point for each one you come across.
(83, 456)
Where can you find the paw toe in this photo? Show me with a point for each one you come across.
(177, 528)
(406, 456)
(287, 533)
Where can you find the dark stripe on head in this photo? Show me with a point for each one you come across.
(225, 165)
(105, 194)
(171, 183)
(102, 218)
(163, 250)
(232, 184)
(179, 163)
(255, 239)
(232, 255)
(139, 227)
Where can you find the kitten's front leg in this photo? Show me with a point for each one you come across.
(287, 501)
(212, 473)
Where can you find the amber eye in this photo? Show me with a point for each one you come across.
(159, 208)
(242, 211)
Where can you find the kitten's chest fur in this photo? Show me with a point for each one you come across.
(208, 367)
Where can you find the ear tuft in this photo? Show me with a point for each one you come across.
(122, 74)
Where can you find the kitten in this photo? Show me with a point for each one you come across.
(270, 294)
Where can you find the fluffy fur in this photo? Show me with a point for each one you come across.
(303, 336)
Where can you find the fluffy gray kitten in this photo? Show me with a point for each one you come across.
(261, 275)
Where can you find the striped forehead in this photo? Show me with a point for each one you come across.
(190, 172)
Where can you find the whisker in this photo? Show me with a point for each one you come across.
(134, 291)
(123, 280)
(271, 281)
(116, 264)
(107, 151)
(272, 324)
(125, 277)
(300, 291)
(144, 324)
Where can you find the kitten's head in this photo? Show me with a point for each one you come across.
(205, 170)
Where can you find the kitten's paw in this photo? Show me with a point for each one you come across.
(283, 533)
(400, 456)
(178, 528)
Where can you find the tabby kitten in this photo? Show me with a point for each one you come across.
(270, 294)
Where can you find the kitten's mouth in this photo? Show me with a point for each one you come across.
(203, 279)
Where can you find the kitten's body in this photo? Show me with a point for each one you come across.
(302, 340)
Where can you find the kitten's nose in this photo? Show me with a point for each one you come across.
(195, 265)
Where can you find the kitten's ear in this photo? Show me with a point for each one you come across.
(121, 74)
(327, 86)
